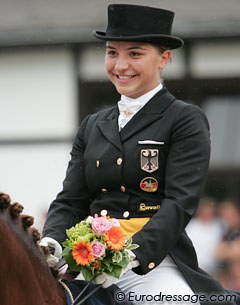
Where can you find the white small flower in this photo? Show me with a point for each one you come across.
(89, 219)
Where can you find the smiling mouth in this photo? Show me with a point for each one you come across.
(124, 77)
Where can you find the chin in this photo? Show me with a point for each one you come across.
(125, 91)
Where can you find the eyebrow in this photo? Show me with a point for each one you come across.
(130, 48)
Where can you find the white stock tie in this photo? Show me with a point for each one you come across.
(128, 107)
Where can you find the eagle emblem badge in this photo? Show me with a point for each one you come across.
(149, 185)
(149, 160)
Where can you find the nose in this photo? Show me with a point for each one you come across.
(121, 63)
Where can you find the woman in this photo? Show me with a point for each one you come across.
(144, 162)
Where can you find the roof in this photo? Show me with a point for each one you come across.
(27, 22)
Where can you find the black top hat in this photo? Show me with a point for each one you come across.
(140, 23)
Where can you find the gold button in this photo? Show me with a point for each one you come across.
(103, 213)
(123, 189)
(119, 161)
(97, 163)
(104, 190)
(126, 214)
(151, 265)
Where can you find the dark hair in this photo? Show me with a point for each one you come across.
(160, 47)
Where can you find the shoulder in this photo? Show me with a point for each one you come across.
(178, 109)
(185, 111)
(182, 107)
(188, 122)
(102, 115)
(90, 121)
(88, 125)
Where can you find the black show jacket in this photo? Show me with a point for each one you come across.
(105, 174)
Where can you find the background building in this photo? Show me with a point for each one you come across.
(52, 75)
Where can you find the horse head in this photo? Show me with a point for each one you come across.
(25, 277)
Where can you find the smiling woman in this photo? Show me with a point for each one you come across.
(134, 67)
(144, 162)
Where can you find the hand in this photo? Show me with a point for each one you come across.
(55, 251)
(106, 280)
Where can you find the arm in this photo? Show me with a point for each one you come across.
(72, 203)
(185, 175)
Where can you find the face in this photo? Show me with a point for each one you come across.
(134, 67)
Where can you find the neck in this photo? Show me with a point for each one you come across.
(147, 96)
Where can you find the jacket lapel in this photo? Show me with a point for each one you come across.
(109, 128)
(151, 112)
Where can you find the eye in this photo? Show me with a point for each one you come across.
(135, 54)
(111, 53)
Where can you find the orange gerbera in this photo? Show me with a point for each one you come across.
(82, 253)
(115, 238)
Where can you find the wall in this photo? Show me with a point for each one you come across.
(38, 107)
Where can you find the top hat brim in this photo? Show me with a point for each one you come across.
(168, 41)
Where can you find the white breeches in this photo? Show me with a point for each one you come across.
(151, 288)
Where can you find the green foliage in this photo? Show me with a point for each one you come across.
(80, 232)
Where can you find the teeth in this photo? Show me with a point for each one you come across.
(124, 76)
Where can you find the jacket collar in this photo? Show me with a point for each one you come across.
(151, 112)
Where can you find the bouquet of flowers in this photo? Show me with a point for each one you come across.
(97, 245)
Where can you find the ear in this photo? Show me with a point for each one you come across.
(165, 58)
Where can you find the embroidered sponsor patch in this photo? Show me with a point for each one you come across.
(149, 184)
(146, 208)
(149, 160)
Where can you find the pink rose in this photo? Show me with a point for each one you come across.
(98, 249)
(101, 225)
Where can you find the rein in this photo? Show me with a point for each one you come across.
(79, 299)
(69, 293)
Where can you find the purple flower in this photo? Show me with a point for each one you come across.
(101, 225)
(115, 222)
(98, 249)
